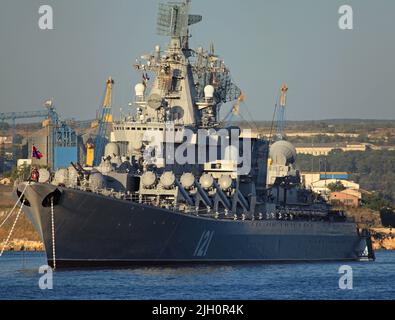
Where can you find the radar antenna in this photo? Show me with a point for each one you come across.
(174, 19)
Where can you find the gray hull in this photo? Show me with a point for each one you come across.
(90, 229)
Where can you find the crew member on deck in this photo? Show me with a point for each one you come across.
(34, 175)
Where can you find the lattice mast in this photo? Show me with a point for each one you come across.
(195, 81)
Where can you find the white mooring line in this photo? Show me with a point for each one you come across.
(12, 229)
(12, 210)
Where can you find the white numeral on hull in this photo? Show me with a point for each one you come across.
(203, 244)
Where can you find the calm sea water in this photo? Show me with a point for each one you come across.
(372, 280)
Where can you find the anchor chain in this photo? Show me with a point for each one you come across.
(13, 227)
(53, 235)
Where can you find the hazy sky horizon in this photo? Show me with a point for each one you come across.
(332, 74)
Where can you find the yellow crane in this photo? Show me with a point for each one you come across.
(94, 152)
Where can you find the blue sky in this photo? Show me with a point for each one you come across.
(331, 73)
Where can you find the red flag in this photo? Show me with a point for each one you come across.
(36, 153)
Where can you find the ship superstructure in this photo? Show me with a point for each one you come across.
(177, 185)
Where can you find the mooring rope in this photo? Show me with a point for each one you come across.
(53, 235)
(12, 229)
(12, 210)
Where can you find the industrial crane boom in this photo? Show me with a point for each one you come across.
(281, 113)
(105, 118)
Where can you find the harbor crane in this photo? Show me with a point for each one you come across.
(49, 113)
(104, 120)
(280, 113)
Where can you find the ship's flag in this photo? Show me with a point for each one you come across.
(146, 78)
(36, 153)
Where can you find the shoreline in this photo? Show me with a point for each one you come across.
(381, 241)
(21, 245)
(383, 238)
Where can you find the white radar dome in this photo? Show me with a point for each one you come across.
(111, 150)
(139, 89)
(209, 92)
(283, 153)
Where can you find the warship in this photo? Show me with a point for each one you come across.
(176, 184)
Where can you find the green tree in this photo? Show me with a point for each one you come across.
(375, 202)
(336, 186)
(21, 173)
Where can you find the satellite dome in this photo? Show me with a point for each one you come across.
(209, 92)
(111, 150)
(139, 89)
(283, 153)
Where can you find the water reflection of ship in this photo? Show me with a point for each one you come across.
(185, 270)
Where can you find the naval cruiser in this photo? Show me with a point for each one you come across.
(176, 184)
